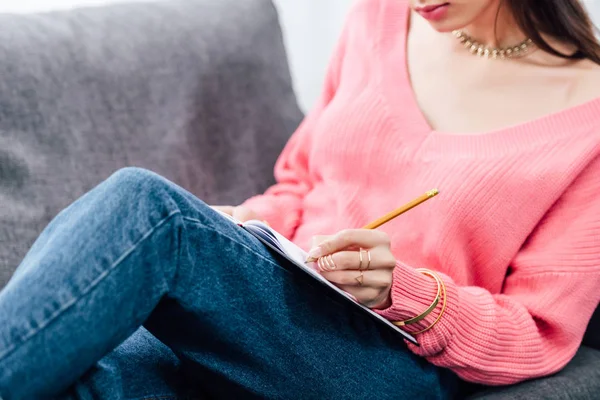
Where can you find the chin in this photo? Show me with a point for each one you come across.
(445, 27)
(443, 17)
(449, 24)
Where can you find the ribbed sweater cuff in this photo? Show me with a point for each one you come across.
(412, 293)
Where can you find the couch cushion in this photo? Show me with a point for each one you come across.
(578, 380)
(196, 90)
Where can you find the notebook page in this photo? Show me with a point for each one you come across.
(292, 251)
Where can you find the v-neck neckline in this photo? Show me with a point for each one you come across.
(397, 86)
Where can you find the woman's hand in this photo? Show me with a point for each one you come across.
(240, 213)
(358, 261)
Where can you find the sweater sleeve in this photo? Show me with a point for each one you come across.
(281, 204)
(535, 326)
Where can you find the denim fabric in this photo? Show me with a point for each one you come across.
(234, 319)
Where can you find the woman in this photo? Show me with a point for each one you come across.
(493, 101)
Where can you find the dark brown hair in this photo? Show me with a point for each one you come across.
(564, 20)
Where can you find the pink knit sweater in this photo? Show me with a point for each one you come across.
(515, 231)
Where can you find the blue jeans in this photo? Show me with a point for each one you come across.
(222, 316)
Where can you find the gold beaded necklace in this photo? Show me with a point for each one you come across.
(481, 50)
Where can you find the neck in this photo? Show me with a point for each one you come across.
(496, 27)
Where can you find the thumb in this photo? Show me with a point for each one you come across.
(244, 214)
(224, 209)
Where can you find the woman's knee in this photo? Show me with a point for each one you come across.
(142, 189)
(137, 180)
(133, 176)
(138, 186)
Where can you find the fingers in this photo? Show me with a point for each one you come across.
(365, 274)
(377, 258)
(351, 238)
(240, 213)
(370, 288)
(373, 298)
(376, 279)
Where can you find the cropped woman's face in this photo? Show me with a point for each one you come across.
(446, 16)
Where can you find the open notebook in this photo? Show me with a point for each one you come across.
(297, 257)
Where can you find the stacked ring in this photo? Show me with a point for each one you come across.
(326, 263)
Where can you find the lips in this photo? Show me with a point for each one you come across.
(434, 12)
(428, 9)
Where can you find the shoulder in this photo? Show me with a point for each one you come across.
(588, 74)
(577, 81)
(582, 77)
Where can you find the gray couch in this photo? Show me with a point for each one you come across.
(198, 91)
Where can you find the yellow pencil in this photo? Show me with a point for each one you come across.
(397, 212)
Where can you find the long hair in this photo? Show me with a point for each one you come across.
(565, 20)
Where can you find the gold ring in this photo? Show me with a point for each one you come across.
(360, 278)
(324, 265)
(321, 263)
(360, 253)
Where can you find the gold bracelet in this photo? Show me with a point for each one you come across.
(439, 317)
(433, 305)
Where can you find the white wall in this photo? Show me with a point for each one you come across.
(311, 28)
